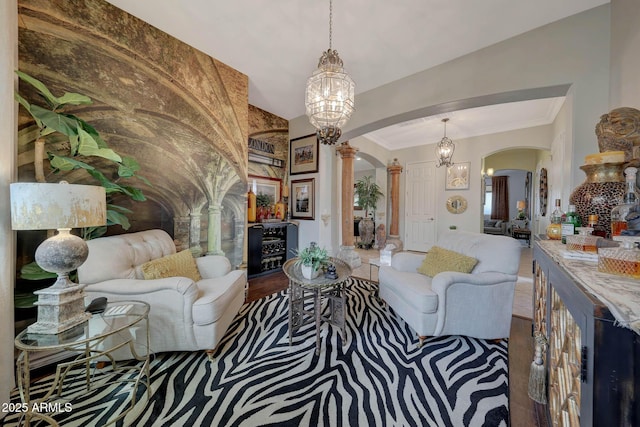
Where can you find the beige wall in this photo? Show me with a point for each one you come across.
(521, 158)
(8, 144)
(625, 54)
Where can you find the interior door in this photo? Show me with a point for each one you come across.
(420, 208)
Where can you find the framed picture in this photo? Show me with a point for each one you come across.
(302, 198)
(266, 185)
(458, 176)
(303, 154)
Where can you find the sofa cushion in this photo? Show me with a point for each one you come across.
(180, 264)
(414, 289)
(490, 222)
(439, 259)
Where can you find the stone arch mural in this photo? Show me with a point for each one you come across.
(183, 115)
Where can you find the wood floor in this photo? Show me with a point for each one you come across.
(524, 412)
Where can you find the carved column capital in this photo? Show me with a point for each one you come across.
(346, 150)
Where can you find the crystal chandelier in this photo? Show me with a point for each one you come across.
(329, 97)
(444, 149)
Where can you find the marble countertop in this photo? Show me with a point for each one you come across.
(620, 294)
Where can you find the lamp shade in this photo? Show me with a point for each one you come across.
(45, 206)
(520, 205)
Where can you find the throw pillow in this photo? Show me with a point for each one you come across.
(181, 264)
(439, 259)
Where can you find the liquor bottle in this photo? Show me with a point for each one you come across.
(251, 206)
(570, 222)
(554, 230)
(597, 230)
(629, 203)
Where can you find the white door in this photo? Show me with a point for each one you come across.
(420, 206)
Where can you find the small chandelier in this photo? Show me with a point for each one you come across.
(445, 148)
(330, 93)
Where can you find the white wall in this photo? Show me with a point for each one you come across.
(8, 150)
(625, 54)
(573, 51)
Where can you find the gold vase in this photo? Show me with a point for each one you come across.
(602, 190)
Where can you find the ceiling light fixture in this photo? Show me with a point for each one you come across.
(445, 148)
(330, 93)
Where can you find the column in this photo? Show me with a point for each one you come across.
(194, 234)
(347, 250)
(181, 225)
(214, 231)
(394, 170)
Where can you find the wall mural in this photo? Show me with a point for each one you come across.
(183, 115)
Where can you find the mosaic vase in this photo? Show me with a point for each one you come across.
(601, 191)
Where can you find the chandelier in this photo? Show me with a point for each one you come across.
(444, 149)
(330, 93)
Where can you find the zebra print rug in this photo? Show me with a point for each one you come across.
(378, 377)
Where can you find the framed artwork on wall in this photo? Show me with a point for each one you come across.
(266, 185)
(303, 155)
(302, 198)
(458, 176)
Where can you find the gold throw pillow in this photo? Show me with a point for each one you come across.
(439, 259)
(180, 264)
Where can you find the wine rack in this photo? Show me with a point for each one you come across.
(270, 245)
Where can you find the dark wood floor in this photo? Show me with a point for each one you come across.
(524, 412)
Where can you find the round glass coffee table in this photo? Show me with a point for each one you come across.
(92, 341)
(331, 290)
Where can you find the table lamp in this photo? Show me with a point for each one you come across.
(63, 206)
(520, 206)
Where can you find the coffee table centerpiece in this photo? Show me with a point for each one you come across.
(312, 260)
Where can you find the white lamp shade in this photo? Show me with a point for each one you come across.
(45, 206)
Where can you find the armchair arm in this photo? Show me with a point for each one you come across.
(443, 280)
(212, 266)
(134, 287)
(407, 261)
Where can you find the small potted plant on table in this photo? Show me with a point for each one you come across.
(312, 260)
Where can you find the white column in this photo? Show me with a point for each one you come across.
(214, 231)
(8, 150)
(194, 234)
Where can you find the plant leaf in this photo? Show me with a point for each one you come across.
(116, 218)
(33, 271)
(40, 87)
(66, 125)
(128, 167)
(118, 208)
(64, 163)
(71, 98)
(89, 147)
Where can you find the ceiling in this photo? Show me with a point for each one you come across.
(277, 44)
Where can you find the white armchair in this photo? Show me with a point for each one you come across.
(184, 315)
(477, 304)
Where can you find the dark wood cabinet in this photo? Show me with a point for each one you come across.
(270, 245)
(593, 364)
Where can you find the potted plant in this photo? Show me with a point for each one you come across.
(312, 259)
(263, 203)
(368, 193)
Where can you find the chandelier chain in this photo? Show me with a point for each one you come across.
(330, 22)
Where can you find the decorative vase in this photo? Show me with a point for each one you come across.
(308, 272)
(602, 190)
(365, 229)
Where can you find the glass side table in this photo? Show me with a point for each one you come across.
(301, 289)
(92, 341)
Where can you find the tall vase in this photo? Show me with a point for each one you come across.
(365, 229)
(601, 191)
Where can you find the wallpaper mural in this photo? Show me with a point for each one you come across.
(183, 115)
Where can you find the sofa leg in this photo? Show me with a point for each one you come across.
(210, 355)
(421, 339)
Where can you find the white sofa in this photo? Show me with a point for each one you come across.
(184, 315)
(478, 304)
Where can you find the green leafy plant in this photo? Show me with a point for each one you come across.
(84, 144)
(368, 193)
(263, 200)
(313, 256)
(74, 144)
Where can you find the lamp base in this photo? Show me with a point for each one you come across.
(59, 310)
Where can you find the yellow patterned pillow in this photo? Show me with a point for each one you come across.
(181, 264)
(439, 260)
